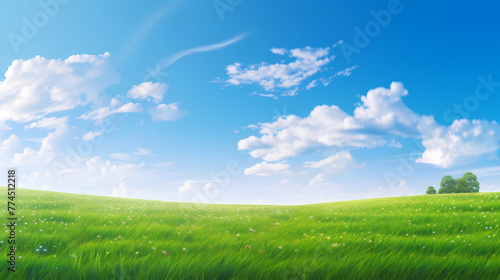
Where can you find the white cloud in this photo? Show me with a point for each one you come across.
(94, 176)
(166, 112)
(346, 72)
(384, 110)
(3, 126)
(269, 95)
(312, 84)
(187, 186)
(377, 121)
(334, 163)
(52, 146)
(116, 102)
(290, 136)
(395, 144)
(167, 61)
(326, 81)
(462, 141)
(121, 190)
(148, 91)
(49, 123)
(91, 135)
(305, 63)
(338, 43)
(267, 169)
(35, 87)
(143, 152)
(64, 162)
(319, 181)
(196, 191)
(9, 144)
(103, 112)
(279, 51)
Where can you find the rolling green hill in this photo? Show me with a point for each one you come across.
(70, 236)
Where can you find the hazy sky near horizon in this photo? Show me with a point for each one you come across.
(282, 102)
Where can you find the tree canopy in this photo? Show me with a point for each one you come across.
(472, 183)
(448, 185)
(466, 184)
(431, 190)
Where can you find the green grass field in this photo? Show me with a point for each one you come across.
(453, 236)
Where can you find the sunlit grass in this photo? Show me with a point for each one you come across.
(453, 236)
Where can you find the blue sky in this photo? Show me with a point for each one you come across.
(249, 101)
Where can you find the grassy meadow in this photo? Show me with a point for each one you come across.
(70, 236)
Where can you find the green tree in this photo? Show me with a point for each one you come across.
(462, 186)
(431, 190)
(471, 182)
(448, 185)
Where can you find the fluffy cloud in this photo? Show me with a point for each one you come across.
(103, 112)
(35, 87)
(9, 144)
(319, 181)
(305, 63)
(190, 186)
(266, 169)
(116, 102)
(280, 51)
(384, 110)
(196, 191)
(381, 117)
(61, 164)
(462, 140)
(52, 147)
(148, 91)
(94, 176)
(166, 112)
(334, 163)
(291, 135)
(121, 191)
